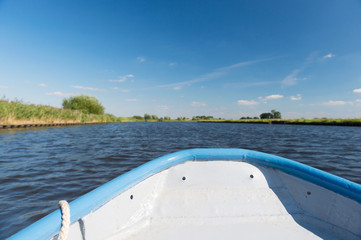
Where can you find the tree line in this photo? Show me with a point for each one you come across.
(91, 105)
(267, 115)
(271, 115)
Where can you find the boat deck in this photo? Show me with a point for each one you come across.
(267, 228)
(219, 200)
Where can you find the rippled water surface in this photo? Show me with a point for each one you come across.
(39, 167)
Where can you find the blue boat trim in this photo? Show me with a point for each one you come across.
(49, 226)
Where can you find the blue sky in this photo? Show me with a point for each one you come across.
(184, 58)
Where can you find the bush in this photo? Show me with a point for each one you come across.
(147, 117)
(202, 117)
(138, 117)
(84, 103)
(272, 115)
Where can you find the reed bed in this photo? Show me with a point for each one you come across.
(16, 112)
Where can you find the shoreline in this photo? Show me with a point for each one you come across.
(44, 125)
(345, 122)
(321, 122)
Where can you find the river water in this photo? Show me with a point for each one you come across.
(39, 167)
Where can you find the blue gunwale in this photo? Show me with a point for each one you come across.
(49, 226)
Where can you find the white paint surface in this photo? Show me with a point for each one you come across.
(219, 200)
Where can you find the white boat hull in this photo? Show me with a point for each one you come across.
(222, 199)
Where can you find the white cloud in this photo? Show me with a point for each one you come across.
(90, 88)
(312, 57)
(292, 78)
(3, 87)
(177, 88)
(122, 78)
(270, 97)
(215, 73)
(274, 96)
(132, 100)
(247, 102)
(358, 100)
(60, 94)
(141, 59)
(296, 98)
(330, 55)
(202, 78)
(42, 85)
(172, 64)
(121, 90)
(246, 63)
(198, 104)
(248, 84)
(163, 107)
(337, 103)
(357, 90)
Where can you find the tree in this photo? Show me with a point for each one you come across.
(147, 117)
(138, 117)
(276, 114)
(265, 116)
(84, 103)
(272, 115)
(202, 117)
(167, 118)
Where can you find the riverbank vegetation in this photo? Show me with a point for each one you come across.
(271, 115)
(16, 112)
(300, 121)
(84, 103)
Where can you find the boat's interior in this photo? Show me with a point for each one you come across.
(222, 200)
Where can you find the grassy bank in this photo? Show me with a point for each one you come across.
(317, 121)
(16, 112)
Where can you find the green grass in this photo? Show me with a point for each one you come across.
(316, 121)
(16, 112)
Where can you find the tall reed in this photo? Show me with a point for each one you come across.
(16, 112)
